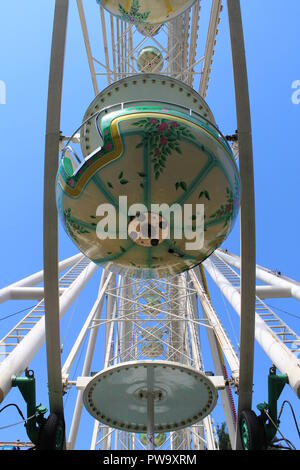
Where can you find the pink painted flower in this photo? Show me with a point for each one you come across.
(108, 146)
(174, 124)
(163, 141)
(157, 152)
(71, 183)
(229, 208)
(153, 121)
(163, 127)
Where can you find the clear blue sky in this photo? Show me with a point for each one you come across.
(272, 45)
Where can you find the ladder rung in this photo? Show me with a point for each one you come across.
(272, 321)
(266, 314)
(29, 322)
(16, 336)
(23, 329)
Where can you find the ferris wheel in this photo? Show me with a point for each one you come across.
(148, 189)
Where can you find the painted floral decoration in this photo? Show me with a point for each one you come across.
(162, 137)
(134, 15)
(73, 226)
(227, 210)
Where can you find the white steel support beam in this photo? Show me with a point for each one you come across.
(110, 331)
(219, 343)
(94, 436)
(111, 305)
(185, 42)
(118, 49)
(103, 25)
(263, 274)
(196, 351)
(27, 293)
(7, 292)
(272, 292)
(176, 48)
(285, 361)
(110, 302)
(198, 436)
(113, 46)
(209, 434)
(94, 315)
(111, 312)
(27, 349)
(210, 45)
(87, 45)
(194, 40)
(214, 321)
(197, 358)
(248, 248)
(51, 322)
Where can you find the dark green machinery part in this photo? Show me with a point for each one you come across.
(276, 384)
(26, 385)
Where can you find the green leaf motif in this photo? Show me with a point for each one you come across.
(134, 15)
(225, 212)
(183, 185)
(74, 226)
(162, 137)
(205, 194)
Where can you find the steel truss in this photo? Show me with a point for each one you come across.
(135, 314)
(133, 325)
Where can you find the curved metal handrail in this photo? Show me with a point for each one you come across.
(190, 112)
(123, 105)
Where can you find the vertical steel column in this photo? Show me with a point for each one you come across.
(87, 45)
(50, 212)
(86, 367)
(217, 355)
(111, 303)
(248, 263)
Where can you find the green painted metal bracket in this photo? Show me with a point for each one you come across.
(276, 384)
(35, 413)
